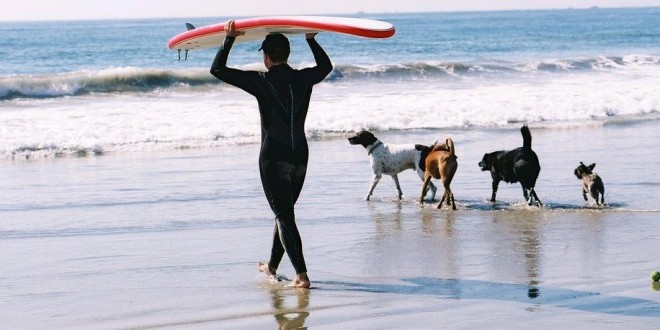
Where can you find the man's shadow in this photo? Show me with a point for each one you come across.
(290, 317)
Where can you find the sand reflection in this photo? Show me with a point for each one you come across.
(290, 315)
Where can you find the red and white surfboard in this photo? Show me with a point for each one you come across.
(257, 28)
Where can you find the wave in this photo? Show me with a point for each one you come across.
(457, 69)
(116, 80)
(139, 80)
(84, 143)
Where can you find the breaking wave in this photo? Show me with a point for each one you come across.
(139, 80)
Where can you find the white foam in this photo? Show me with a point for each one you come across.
(221, 115)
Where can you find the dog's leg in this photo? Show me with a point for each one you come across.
(442, 200)
(495, 184)
(600, 188)
(445, 183)
(584, 194)
(398, 187)
(594, 195)
(448, 192)
(427, 181)
(593, 191)
(434, 189)
(450, 199)
(431, 186)
(453, 203)
(374, 182)
(527, 197)
(533, 193)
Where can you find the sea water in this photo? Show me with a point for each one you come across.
(150, 235)
(94, 87)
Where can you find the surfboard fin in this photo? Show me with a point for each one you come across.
(186, 54)
(190, 26)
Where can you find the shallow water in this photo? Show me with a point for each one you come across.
(172, 239)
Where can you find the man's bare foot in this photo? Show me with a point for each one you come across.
(270, 272)
(265, 268)
(301, 281)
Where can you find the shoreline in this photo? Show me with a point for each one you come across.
(155, 149)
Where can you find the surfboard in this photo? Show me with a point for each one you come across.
(257, 28)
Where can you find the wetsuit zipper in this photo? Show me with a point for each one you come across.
(292, 107)
(274, 92)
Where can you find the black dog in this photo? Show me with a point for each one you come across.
(591, 182)
(517, 165)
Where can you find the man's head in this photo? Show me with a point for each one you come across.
(276, 47)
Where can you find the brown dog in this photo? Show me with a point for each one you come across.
(441, 165)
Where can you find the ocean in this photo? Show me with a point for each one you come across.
(93, 87)
(130, 194)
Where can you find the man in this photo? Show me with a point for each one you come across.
(283, 95)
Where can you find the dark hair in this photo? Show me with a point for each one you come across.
(276, 46)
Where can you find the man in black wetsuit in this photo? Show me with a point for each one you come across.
(283, 95)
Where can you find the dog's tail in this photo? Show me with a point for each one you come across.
(450, 144)
(527, 137)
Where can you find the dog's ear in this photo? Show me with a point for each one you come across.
(420, 147)
(591, 167)
(581, 163)
(440, 147)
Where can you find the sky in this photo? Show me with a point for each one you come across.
(39, 10)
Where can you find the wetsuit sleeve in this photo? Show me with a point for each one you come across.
(242, 79)
(323, 65)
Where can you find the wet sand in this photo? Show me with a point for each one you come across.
(172, 240)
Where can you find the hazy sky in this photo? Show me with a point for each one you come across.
(18, 10)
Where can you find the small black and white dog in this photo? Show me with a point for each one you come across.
(591, 182)
(517, 165)
(390, 159)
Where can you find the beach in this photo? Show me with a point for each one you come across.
(130, 196)
(171, 239)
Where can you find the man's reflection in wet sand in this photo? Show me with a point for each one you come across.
(290, 317)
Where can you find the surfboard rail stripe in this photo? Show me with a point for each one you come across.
(352, 26)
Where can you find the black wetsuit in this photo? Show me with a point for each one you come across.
(283, 95)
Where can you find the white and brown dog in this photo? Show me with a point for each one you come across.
(390, 159)
(591, 182)
(441, 165)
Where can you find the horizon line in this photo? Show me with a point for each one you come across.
(35, 20)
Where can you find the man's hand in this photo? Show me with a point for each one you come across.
(230, 29)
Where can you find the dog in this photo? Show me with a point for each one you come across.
(591, 182)
(441, 164)
(390, 160)
(517, 165)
